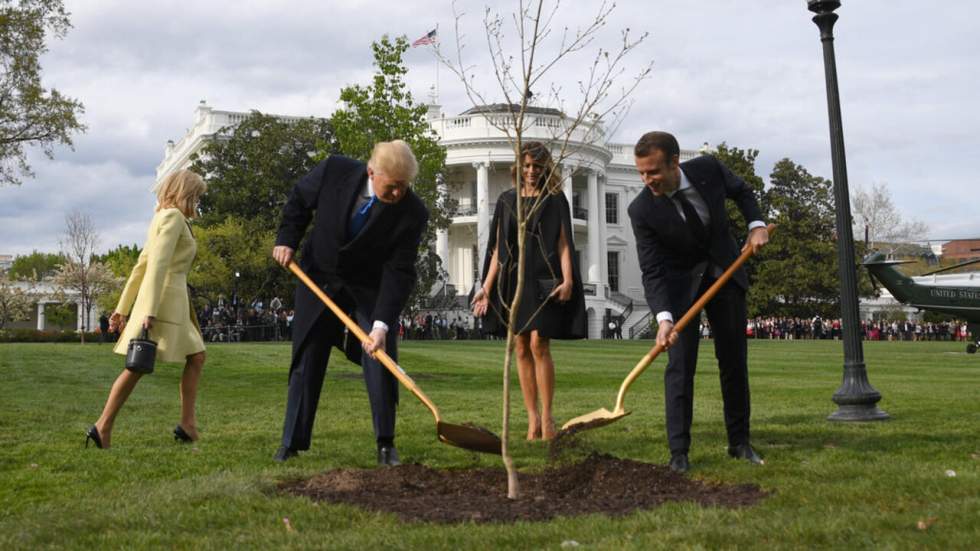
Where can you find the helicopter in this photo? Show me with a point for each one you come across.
(954, 294)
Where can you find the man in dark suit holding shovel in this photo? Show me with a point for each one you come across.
(367, 226)
(684, 244)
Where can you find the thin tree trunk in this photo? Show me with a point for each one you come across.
(513, 489)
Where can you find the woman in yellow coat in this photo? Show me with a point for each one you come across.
(156, 298)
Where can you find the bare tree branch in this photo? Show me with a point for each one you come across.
(569, 132)
(78, 274)
(873, 209)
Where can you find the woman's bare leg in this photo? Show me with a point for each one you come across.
(188, 393)
(544, 374)
(529, 389)
(118, 394)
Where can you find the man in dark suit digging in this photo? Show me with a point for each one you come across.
(367, 225)
(684, 244)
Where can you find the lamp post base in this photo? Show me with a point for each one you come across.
(868, 412)
(856, 399)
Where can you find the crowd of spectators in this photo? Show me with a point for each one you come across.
(881, 330)
(255, 321)
(449, 325)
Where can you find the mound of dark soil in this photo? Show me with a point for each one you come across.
(600, 484)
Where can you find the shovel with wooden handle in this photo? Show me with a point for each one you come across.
(470, 437)
(603, 416)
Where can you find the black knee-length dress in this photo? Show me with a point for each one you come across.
(542, 270)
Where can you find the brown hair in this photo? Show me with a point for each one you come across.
(550, 180)
(181, 190)
(663, 141)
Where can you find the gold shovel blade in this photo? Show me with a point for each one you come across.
(598, 418)
(469, 437)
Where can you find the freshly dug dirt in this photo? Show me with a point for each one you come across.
(599, 484)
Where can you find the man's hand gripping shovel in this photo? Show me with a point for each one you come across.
(602, 417)
(468, 436)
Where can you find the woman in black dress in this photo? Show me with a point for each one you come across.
(552, 303)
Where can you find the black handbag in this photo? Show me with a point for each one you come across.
(141, 354)
(546, 287)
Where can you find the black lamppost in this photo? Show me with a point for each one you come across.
(856, 398)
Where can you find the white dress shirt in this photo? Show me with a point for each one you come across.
(367, 192)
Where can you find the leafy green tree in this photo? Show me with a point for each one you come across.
(250, 168)
(742, 163)
(30, 115)
(121, 259)
(236, 245)
(797, 274)
(62, 315)
(120, 262)
(35, 266)
(384, 111)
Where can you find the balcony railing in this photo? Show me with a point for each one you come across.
(465, 210)
(580, 213)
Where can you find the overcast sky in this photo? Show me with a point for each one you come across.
(749, 73)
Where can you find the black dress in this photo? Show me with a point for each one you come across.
(542, 271)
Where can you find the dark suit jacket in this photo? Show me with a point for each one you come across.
(672, 264)
(374, 272)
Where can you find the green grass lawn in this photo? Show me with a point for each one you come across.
(833, 485)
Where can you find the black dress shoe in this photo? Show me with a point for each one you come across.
(388, 455)
(93, 434)
(180, 435)
(283, 454)
(679, 463)
(745, 451)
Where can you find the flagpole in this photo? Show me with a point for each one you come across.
(437, 66)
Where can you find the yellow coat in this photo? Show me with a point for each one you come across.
(158, 287)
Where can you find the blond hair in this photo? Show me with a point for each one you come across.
(180, 190)
(394, 158)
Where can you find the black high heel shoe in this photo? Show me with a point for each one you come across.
(180, 435)
(93, 434)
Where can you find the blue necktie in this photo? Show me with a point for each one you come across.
(361, 217)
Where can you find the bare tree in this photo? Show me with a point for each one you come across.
(15, 302)
(873, 209)
(542, 48)
(79, 275)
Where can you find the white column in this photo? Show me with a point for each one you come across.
(602, 234)
(482, 207)
(442, 236)
(40, 316)
(566, 173)
(594, 273)
(442, 247)
(79, 317)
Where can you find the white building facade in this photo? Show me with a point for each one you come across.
(599, 181)
(46, 294)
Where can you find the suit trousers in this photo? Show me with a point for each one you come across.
(306, 375)
(727, 315)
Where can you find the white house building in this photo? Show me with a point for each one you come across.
(600, 180)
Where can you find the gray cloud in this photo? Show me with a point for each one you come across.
(748, 73)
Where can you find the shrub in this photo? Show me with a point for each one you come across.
(33, 335)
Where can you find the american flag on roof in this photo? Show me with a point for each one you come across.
(427, 38)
